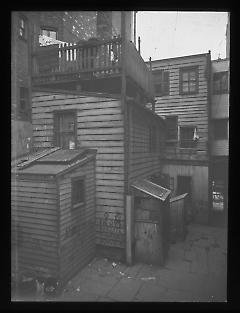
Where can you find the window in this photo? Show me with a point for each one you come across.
(187, 134)
(49, 32)
(24, 108)
(172, 128)
(23, 27)
(220, 129)
(65, 129)
(78, 192)
(188, 80)
(152, 139)
(220, 82)
(161, 82)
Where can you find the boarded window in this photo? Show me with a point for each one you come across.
(23, 27)
(172, 127)
(187, 137)
(78, 192)
(220, 129)
(152, 139)
(188, 80)
(65, 129)
(220, 82)
(161, 82)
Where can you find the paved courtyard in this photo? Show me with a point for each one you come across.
(196, 270)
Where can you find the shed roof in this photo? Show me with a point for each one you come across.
(151, 189)
(55, 162)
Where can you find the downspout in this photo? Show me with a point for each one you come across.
(125, 117)
(209, 103)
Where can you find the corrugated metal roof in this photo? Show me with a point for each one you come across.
(151, 189)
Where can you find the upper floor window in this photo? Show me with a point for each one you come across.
(152, 139)
(65, 129)
(220, 129)
(24, 107)
(49, 32)
(172, 127)
(220, 82)
(161, 82)
(188, 80)
(23, 27)
(187, 136)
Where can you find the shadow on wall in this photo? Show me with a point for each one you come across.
(21, 135)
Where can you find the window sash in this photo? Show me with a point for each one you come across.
(78, 192)
(64, 134)
(161, 82)
(188, 80)
(220, 82)
(186, 137)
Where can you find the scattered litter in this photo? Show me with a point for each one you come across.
(105, 260)
(78, 289)
(121, 273)
(148, 278)
(114, 264)
(129, 277)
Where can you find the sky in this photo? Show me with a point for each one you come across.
(177, 33)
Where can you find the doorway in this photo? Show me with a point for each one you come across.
(184, 185)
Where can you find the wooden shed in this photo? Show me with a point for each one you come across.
(53, 212)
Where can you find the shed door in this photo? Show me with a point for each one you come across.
(184, 185)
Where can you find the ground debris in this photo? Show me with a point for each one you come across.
(148, 278)
(114, 264)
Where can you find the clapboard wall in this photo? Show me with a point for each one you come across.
(143, 162)
(76, 226)
(35, 224)
(192, 110)
(100, 126)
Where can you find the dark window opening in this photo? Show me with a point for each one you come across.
(65, 130)
(187, 137)
(152, 139)
(220, 82)
(24, 107)
(23, 27)
(188, 80)
(78, 192)
(161, 82)
(220, 129)
(172, 128)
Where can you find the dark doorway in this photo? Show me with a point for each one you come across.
(184, 185)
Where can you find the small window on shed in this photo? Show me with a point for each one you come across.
(78, 192)
(152, 139)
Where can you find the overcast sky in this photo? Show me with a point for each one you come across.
(178, 33)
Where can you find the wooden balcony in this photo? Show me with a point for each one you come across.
(90, 61)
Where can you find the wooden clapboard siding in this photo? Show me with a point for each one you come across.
(34, 211)
(192, 110)
(142, 162)
(100, 126)
(79, 245)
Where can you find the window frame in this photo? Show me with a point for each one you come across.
(188, 69)
(24, 113)
(24, 36)
(165, 84)
(226, 137)
(50, 29)
(220, 90)
(56, 129)
(176, 138)
(152, 139)
(81, 203)
(193, 143)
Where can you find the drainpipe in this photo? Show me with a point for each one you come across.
(139, 48)
(209, 102)
(134, 26)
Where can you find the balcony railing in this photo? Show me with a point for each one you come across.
(91, 60)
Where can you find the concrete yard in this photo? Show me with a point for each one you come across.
(196, 270)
